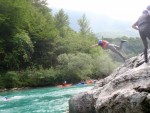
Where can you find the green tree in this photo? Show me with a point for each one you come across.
(12, 80)
(84, 25)
(75, 67)
(62, 23)
(14, 17)
(21, 22)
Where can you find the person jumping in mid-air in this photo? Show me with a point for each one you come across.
(106, 45)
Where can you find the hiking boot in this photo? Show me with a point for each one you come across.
(122, 41)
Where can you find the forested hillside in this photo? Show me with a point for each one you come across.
(40, 49)
(101, 24)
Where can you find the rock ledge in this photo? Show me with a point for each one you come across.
(126, 90)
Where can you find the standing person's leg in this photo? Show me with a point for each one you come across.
(148, 36)
(144, 40)
(112, 47)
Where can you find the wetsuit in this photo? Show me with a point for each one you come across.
(106, 45)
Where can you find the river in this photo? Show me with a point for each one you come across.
(40, 100)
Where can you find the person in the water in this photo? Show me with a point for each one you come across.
(5, 98)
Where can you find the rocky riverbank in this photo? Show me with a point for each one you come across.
(126, 90)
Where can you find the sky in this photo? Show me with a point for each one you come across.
(117, 9)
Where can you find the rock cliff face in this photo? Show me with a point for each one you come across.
(126, 90)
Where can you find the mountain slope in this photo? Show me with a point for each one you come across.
(101, 24)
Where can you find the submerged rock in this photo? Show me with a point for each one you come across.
(126, 90)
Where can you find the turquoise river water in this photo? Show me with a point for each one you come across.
(40, 100)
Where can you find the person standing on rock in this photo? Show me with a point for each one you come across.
(143, 26)
(107, 45)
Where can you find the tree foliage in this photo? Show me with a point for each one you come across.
(23, 26)
(62, 23)
(40, 49)
(84, 25)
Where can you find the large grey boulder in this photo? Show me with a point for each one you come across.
(126, 90)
